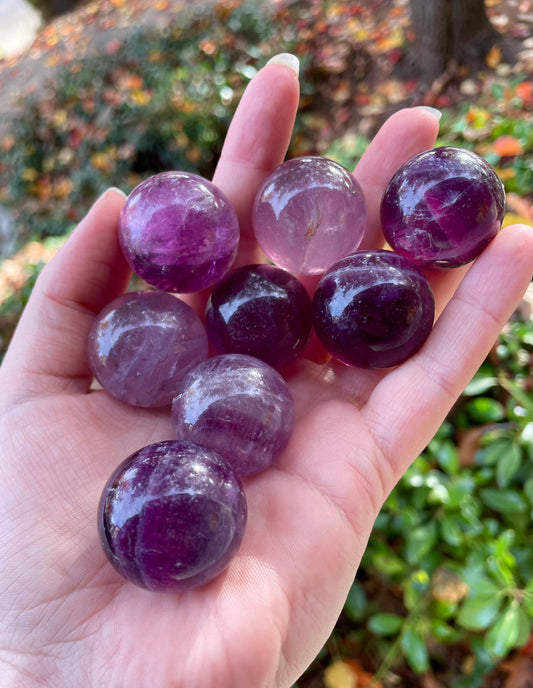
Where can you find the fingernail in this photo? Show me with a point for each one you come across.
(107, 193)
(432, 111)
(286, 60)
(115, 188)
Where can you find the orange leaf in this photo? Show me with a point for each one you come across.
(525, 92)
(347, 673)
(494, 57)
(363, 677)
(507, 146)
(7, 143)
(339, 675)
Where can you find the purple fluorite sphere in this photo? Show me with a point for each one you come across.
(260, 310)
(309, 213)
(373, 309)
(141, 345)
(238, 406)
(172, 516)
(443, 207)
(179, 232)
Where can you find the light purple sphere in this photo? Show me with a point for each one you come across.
(179, 232)
(172, 516)
(142, 344)
(238, 406)
(309, 213)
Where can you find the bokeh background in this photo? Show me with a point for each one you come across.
(108, 92)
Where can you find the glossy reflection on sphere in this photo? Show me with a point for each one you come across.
(179, 232)
(443, 207)
(238, 406)
(309, 213)
(373, 309)
(141, 345)
(260, 310)
(172, 516)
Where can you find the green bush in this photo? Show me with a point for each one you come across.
(161, 100)
(448, 566)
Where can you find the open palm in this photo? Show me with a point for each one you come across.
(68, 619)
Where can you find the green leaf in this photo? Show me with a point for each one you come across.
(518, 393)
(355, 604)
(443, 631)
(528, 489)
(479, 385)
(497, 91)
(421, 541)
(415, 650)
(415, 588)
(508, 463)
(385, 624)
(448, 458)
(504, 634)
(478, 612)
(450, 530)
(525, 627)
(483, 587)
(493, 451)
(485, 410)
(528, 598)
(389, 564)
(503, 501)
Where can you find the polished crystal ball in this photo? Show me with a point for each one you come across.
(309, 213)
(179, 232)
(238, 406)
(142, 344)
(260, 310)
(172, 516)
(443, 207)
(373, 309)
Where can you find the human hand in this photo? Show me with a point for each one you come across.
(68, 619)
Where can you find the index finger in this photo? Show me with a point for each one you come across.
(257, 141)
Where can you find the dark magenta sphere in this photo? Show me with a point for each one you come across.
(308, 213)
(442, 207)
(142, 343)
(260, 310)
(238, 406)
(179, 232)
(172, 516)
(373, 309)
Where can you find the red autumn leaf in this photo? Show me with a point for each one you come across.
(112, 47)
(525, 92)
(519, 672)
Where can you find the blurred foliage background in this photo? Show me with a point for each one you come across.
(444, 595)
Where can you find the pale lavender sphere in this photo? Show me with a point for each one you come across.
(238, 406)
(309, 213)
(179, 232)
(172, 516)
(142, 344)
